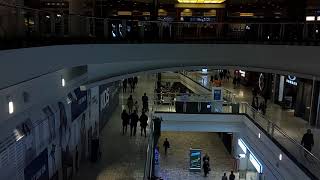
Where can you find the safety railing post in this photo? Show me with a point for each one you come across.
(272, 130)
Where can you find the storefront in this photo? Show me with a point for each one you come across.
(286, 91)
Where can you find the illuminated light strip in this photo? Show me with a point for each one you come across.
(252, 158)
(246, 14)
(202, 1)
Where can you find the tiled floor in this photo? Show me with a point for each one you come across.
(175, 165)
(123, 157)
(293, 126)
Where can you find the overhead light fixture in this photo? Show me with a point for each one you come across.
(11, 107)
(280, 157)
(259, 135)
(63, 82)
(310, 18)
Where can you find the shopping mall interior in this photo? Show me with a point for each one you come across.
(159, 90)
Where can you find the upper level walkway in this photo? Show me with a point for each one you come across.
(293, 126)
(25, 27)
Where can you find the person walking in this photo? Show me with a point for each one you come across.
(307, 141)
(206, 168)
(166, 145)
(224, 177)
(145, 103)
(134, 118)
(130, 104)
(125, 121)
(234, 82)
(232, 176)
(144, 123)
(124, 85)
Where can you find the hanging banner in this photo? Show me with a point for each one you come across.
(79, 105)
(38, 168)
(195, 159)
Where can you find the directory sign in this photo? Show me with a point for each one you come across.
(195, 159)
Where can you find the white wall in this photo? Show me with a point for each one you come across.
(20, 64)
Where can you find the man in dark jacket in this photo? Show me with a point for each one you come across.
(166, 145)
(125, 121)
(307, 141)
(133, 123)
(144, 123)
(145, 102)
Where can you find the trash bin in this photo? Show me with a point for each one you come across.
(235, 107)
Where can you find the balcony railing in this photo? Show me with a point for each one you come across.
(25, 27)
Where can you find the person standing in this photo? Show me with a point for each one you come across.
(166, 145)
(125, 121)
(130, 82)
(307, 141)
(232, 176)
(136, 106)
(124, 85)
(145, 103)
(135, 81)
(144, 123)
(224, 177)
(133, 123)
(130, 104)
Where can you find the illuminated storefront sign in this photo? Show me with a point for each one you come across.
(242, 73)
(292, 80)
(261, 82)
(204, 71)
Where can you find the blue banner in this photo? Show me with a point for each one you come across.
(79, 105)
(38, 168)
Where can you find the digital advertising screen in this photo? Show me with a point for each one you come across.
(195, 159)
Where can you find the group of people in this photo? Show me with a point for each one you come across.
(133, 81)
(132, 118)
(134, 105)
(207, 169)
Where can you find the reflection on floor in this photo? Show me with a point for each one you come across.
(123, 157)
(175, 166)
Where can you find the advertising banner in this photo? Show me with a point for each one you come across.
(195, 159)
(38, 168)
(217, 94)
(78, 105)
(109, 99)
